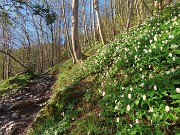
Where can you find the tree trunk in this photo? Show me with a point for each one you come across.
(67, 33)
(1, 51)
(94, 24)
(129, 12)
(75, 39)
(96, 6)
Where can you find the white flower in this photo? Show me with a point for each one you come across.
(115, 101)
(155, 38)
(175, 23)
(178, 90)
(170, 55)
(122, 88)
(135, 57)
(142, 76)
(171, 36)
(150, 51)
(175, 18)
(117, 120)
(151, 41)
(155, 87)
(128, 107)
(116, 107)
(173, 70)
(174, 58)
(150, 76)
(167, 108)
(62, 114)
(130, 125)
(161, 48)
(137, 121)
(146, 51)
(144, 97)
(104, 93)
(174, 46)
(165, 41)
(142, 85)
(154, 46)
(131, 89)
(140, 69)
(149, 66)
(122, 96)
(129, 96)
(167, 72)
(151, 109)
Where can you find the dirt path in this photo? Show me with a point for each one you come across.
(17, 111)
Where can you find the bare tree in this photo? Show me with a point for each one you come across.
(96, 6)
(66, 31)
(75, 39)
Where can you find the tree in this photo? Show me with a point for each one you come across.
(67, 32)
(75, 39)
(96, 6)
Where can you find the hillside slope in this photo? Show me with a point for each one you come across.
(130, 86)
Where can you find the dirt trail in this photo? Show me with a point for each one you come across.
(18, 110)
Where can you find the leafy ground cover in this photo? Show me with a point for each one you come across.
(131, 86)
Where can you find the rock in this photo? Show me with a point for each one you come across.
(23, 116)
(15, 115)
(18, 98)
(3, 117)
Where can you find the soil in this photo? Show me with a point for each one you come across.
(18, 110)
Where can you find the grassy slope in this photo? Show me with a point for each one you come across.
(130, 86)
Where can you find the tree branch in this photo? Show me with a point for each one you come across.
(1, 51)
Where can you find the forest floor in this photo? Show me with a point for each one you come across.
(18, 110)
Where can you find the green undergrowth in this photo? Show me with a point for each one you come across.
(129, 87)
(14, 84)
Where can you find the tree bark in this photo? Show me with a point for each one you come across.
(75, 39)
(96, 6)
(67, 33)
(129, 12)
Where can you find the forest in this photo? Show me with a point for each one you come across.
(89, 67)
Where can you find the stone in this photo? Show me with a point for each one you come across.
(15, 115)
(3, 117)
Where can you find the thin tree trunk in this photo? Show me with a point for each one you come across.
(129, 12)
(66, 32)
(52, 45)
(99, 22)
(15, 59)
(94, 23)
(147, 7)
